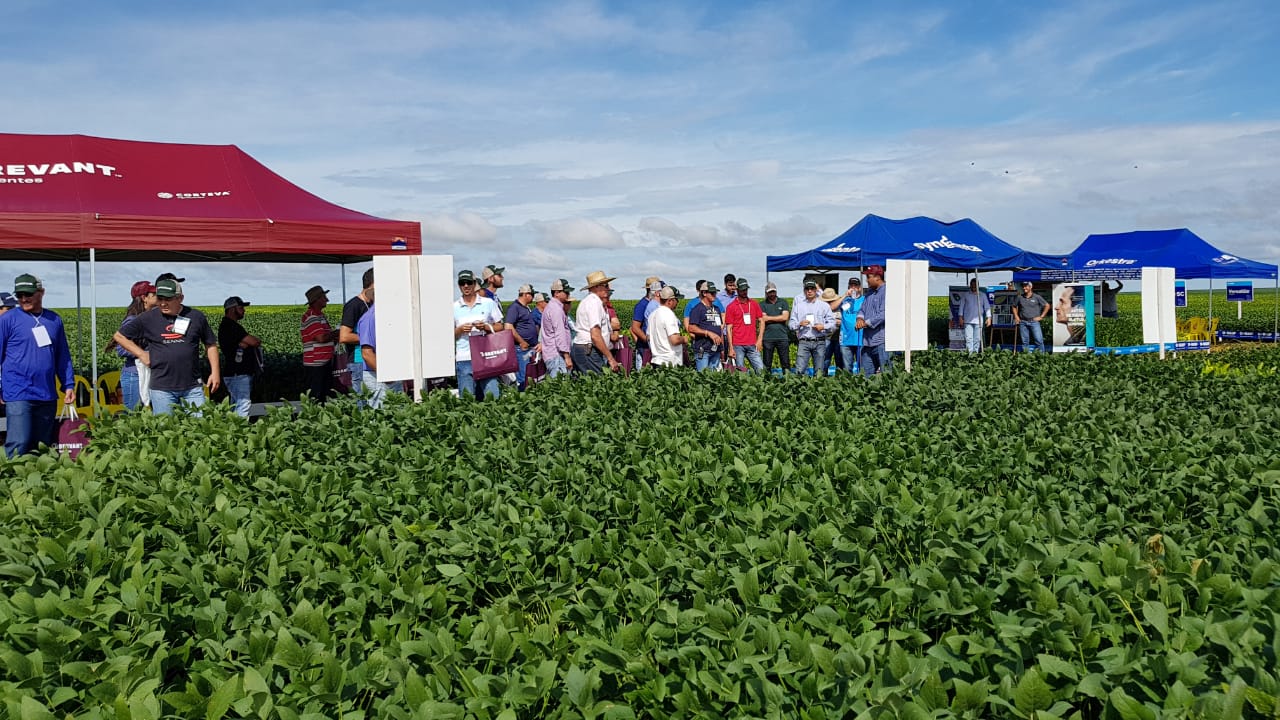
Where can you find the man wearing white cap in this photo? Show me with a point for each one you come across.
(640, 317)
(591, 340)
(664, 329)
(557, 339)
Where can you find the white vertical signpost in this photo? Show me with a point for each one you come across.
(906, 307)
(414, 317)
(1159, 319)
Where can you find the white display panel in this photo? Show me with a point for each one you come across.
(1159, 319)
(412, 287)
(906, 305)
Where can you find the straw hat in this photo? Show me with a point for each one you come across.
(598, 278)
(829, 296)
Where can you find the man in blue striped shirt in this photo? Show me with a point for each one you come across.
(813, 322)
(875, 359)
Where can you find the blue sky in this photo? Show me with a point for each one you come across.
(679, 139)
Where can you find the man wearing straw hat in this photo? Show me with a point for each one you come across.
(34, 356)
(591, 340)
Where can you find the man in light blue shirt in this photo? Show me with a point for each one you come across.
(850, 335)
(813, 322)
(875, 359)
(975, 309)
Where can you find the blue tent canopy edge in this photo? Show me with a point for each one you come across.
(1123, 255)
(959, 246)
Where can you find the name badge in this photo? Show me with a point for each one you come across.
(746, 318)
(181, 324)
(42, 336)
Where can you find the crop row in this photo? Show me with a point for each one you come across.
(1011, 536)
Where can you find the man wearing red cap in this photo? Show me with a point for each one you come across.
(134, 376)
(870, 321)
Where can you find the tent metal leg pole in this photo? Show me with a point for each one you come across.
(1209, 320)
(79, 317)
(344, 281)
(93, 328)
(1275, 329)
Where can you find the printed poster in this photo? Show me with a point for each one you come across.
(1071, 306)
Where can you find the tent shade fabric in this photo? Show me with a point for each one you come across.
(61, 195)
(1123, 255)
(955, 246)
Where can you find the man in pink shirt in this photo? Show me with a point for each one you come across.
(744, 325)
(557, 340)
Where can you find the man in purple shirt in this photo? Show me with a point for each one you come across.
(871, 322)
(557, 340)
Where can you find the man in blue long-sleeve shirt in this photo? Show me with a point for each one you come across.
(34, 355)
(875, 359)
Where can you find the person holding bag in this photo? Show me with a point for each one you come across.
(473, 316)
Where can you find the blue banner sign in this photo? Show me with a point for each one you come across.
(1241, 291)
(1179, 293)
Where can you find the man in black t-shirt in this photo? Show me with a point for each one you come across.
(173, 334)
(241, 354)
(352, 311)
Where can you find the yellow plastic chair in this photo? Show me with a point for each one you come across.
(84, 396)
(1184, 327)
(1197, 329)
(110, 399)
(1211, 334)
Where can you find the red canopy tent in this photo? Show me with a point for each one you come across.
(76, 197)
(64, 195)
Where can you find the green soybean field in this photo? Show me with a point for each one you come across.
(1003, 536)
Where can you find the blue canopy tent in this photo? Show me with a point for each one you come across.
(960, 246)
(1121, 256)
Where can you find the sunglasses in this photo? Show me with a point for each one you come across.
(24, 295)
(465, 283)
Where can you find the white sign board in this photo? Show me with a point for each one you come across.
(416, 289)
(1159, 321)
(906, 305)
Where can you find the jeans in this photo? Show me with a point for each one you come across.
(587, 359)
(467, 384)
(782, 348)
(522, 361)
(814, 351)
(239, 387)
(129, 388)
(30, 424)
(377, 392)
(973, 337)
(1031, 328)
(556, 366)
(849, 353)
(876, 360)
(709, 360)
(164, 401)
(743, 354)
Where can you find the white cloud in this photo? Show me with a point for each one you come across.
(465, 227)
(576, 233)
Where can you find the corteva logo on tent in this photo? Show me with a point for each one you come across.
(943, 242)
(35, 173)
(399, 243)
(1110, 261)
(192, 195)
(842, 248)
(1224, 259)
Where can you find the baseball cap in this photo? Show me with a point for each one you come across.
(668, 292)
(561, 285)
(743, 284)
(491, 270)
(649, 281)
(539, 297)
(525, 289)
(875, 270)
(655, 286)
(27, 283)
(855, 280)
(466, 276)
(141, 288)
(7, 300)
(770, 287)
(314, 293)
(710, 287)
(168, 288)
(237, 301)
(699, 285)
(810, 284)
(169, 276)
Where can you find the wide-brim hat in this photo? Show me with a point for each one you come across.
(314, 293)
(598, 278)
(829, 295)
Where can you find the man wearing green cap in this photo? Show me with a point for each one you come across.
(173, 334)
(34, 355)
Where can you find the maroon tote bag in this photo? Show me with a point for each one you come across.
(493, 355)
